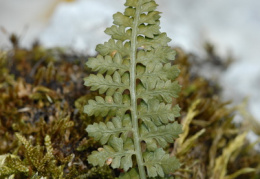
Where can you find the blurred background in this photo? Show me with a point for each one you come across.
(233, 27)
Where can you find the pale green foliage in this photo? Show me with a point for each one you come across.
(36, 157)
(117, 151)
(162, 135)
(44, 163)
(220, 169)
(132, 174)
(11, 164)
(157, 112)
(103, 132)
(134, 73)
(34, 154)
(159, 163)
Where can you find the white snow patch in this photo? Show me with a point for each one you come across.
(80, 25)
(25, 18)
(241, 80)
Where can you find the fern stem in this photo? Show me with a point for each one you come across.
(137, 142)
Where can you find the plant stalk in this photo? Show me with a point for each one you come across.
(137, 142)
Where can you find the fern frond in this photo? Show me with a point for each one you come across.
(137, 78)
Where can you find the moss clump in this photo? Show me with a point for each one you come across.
(38, 98)
(212, 145)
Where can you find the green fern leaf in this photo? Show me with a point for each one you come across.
(113, 46)
(150, 18)
(132, 174)
(108, 64)
(108, 84)
(119, 33)
(109, 106)
(159, 89)
(149, 30)
(159, 163)
(149, 6)
(122, 20)
(114, 154)
(163, 72)
(163, 135)
(155, 56)
(156, 42)
(104, 131)
(131, 3)
(157, 112)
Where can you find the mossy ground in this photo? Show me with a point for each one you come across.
(42, 94)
